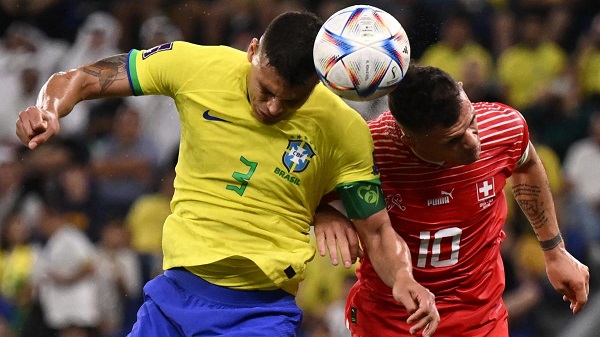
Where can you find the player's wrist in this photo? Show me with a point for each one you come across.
(552, 243)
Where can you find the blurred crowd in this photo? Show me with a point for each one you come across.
(81, 217)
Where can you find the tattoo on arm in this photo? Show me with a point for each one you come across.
(527, 196)
(108, 70)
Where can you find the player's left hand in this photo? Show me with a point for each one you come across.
(568, 276)
(420, 304)
(334, 230)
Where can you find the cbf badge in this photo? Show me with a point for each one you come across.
(297, 156)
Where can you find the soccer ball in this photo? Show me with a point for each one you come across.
(361, 53)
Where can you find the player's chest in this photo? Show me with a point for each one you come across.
(448, 196)
(286, 153)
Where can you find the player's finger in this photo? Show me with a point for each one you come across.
(330, 243)
(407, 301)
(21, 133)
(24, 128)
(353, 245)
(39, 139)
(579, 302)
(577, 306)
(420, 325)
(34, 120)
(35, 127)
(426, 321)
(321, 242)
(332, 247)
(430, 328)
(345, 251)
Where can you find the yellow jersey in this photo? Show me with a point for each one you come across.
(246, 192)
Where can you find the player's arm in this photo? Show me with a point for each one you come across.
(104, 78)
(389, 253)
(529, 184)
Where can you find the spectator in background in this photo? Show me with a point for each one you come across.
(145, 221)
(77, 190)
(457, 52)
(523, 290)
(119, 276)
(526, 70)
(124, 164)
(158, 115)
(64, 276)
(588, 60)
(502, 32)
(560, 117)
(16, 90)
(18, 255)
(335, 311)
(581, 171)
(11, 178)
(15, 190)
(25, 44)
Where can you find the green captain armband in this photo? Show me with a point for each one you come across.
(362, 199)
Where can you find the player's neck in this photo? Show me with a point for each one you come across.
(438, 163)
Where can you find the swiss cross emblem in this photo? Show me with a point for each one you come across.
(485, 189)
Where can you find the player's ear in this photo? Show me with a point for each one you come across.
(252, 49)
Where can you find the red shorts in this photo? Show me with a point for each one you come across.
(368, 314)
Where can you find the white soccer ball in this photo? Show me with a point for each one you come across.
(361, 53)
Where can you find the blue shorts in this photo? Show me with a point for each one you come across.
(179, 303)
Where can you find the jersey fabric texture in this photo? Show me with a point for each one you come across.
(451, 217)
(246, 192)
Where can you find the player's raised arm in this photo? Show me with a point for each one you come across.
(530, 187)
(104, 78)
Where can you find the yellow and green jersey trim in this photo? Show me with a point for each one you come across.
(362, 199)
(134, 81)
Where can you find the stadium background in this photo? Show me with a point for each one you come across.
(541, 56)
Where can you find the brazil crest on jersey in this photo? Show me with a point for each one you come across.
(246, 192)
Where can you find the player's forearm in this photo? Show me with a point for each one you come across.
(387, 251)
(390, 257)
(531, 190)
(60, 93)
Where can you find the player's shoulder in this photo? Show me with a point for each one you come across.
(330, 106)
(192, 51)
(382, 125)
(217, 51)
(495, 113)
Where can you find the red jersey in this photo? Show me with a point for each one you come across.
(451, 217)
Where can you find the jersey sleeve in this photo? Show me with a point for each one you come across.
(161, 70)
(524, 145)
(354, 154)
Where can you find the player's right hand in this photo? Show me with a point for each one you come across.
(334, 230)
(36, 126)
(420, 304)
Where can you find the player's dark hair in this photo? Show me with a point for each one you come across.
(288, 43)
(426, 97)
